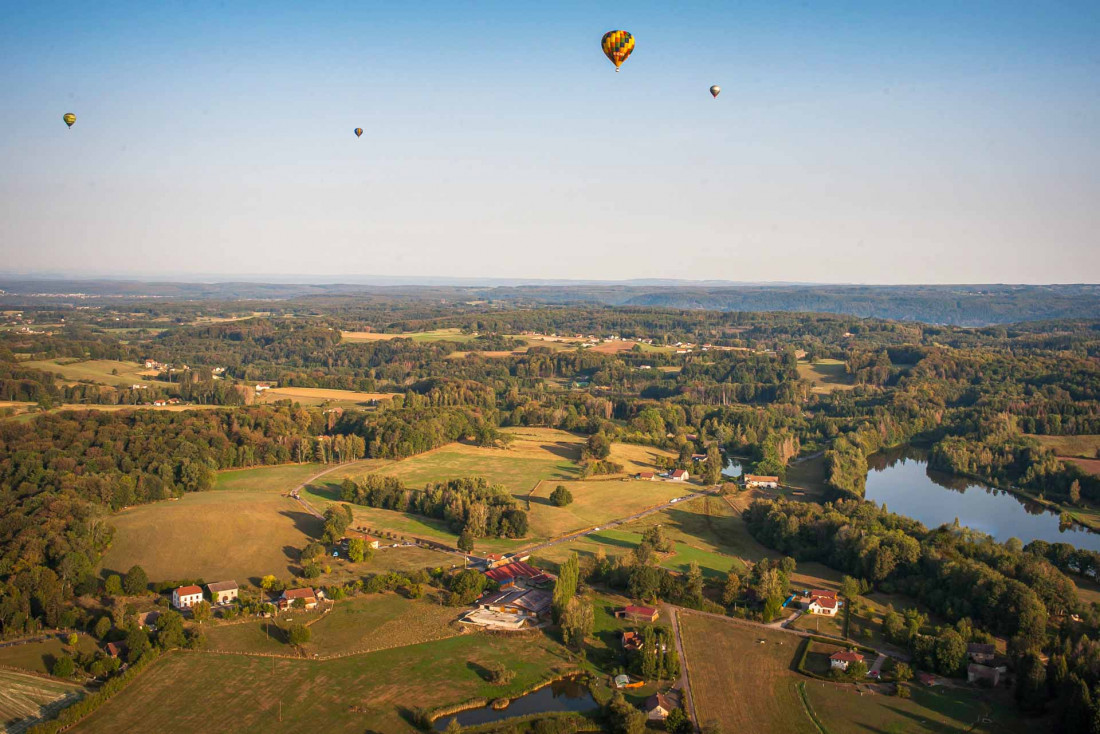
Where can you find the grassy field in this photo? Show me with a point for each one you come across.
(452, 335)
(934, 710)
(97, 370)
(220, 692)
(25, 699)
(240, 534)
(1084, 447)
(829, 374)
(594, 503)
(742, 684)
(39, 657)
(282, 478)
(363, 624)
(319, 396)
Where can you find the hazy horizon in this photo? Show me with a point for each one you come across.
(890, 144)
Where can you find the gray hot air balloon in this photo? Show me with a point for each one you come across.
(715, 90)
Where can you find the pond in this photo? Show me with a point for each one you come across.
(733, 468)
(563, 695)
(901, 479)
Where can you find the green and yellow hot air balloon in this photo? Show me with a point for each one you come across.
(617, 46)
(69, 118)
(358, 131)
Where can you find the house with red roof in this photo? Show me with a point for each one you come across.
(518, 573)
(841, 660)
(679, 475)
(824, 602)
(186, 597)
(307, 595)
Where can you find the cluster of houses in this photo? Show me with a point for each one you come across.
(762, 481)
(226, 592)
(676, 475)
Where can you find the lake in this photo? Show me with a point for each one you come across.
(733, 468)
(901, 479)
(562, 695)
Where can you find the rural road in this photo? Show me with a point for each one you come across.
(685, 676)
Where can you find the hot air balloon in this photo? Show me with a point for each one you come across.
(358, 131)
(715, 90)
(69, 118)
(617, 46)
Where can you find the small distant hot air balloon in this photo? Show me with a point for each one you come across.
(715, 90)
(69, 118)
(358, 131)
(617, 46)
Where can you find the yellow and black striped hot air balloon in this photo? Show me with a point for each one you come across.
(617, 46)
(69, 118)
(358, 131)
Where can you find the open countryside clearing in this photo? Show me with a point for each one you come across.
(829, 374)
(319, 395)
(205, 691)
(105, 371)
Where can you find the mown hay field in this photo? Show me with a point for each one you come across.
(454, 335)
(205, 691)
(241, 534)
(739, 682)
(319, 395)
(26, 699)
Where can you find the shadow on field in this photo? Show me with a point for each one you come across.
(328, 490)
(305, 522)
(564, 450)
(480, 670)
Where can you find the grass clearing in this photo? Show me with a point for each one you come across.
(210, 691)
(740, 683)
(104, 371)
(240, 534)
(39, 657)
(829, 374)
(452, 335)
(1082, 447)
(319, 396)
(27, 699)
(938, 710)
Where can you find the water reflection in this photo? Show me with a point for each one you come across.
(733, 468)
(562, 695)
(901, 479)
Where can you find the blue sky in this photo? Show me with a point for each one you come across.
(852, 142)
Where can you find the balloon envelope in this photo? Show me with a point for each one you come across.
(715, 90)
(358, 131)
(617, 46)
(69, 118)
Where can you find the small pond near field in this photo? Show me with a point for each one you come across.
(562, 695)
(733, 468)
(900, 479)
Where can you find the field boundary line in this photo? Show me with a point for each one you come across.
(686, 674)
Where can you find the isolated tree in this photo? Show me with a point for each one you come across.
(297, 635)
(565, 588)
(453, 727)
(677, 722)
(170, 632)
(72, 639)
(902, 672)
(356, 550)
(732, 590)
(598, 446)
(712, 467)
(1075, 492)
(64, 667)
(137, 644)
(577, 622)
(466, 586)
(102, 627)
(337, 519)
(466, 542)
(500, 674)
(113, 585)
(267, 582)
(622, 718)
(693, 584)
(135, 582)
(200, 612)
(849, 587)
(311, 552)
(857, 670)
(561, 496)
